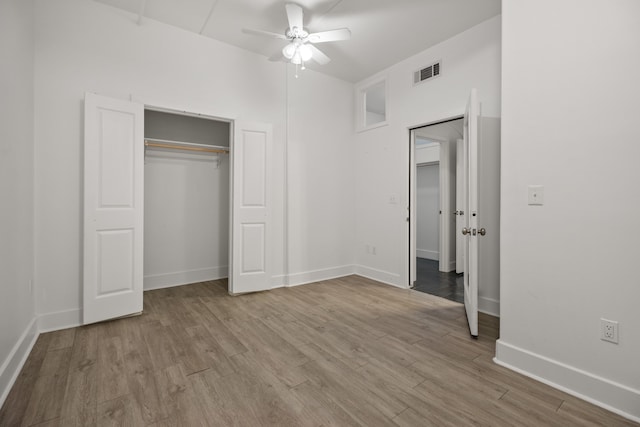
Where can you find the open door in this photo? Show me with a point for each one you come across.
(113, 208)
(251, 204)
(470, 230)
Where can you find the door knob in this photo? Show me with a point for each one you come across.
(482, 231)
(466, 231)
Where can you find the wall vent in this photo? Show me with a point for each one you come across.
(426, 73)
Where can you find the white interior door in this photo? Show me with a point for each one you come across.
(251, 229)
(471, 214)
(460, 203)
(113, 208)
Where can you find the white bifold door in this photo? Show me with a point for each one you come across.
(470, 218)
(251, 188)
(113, 208)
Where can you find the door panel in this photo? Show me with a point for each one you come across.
(113, 208)
(253, 244)
(471, 215)
(115, 256)
(251, 234)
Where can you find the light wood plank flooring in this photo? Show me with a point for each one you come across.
(343, 352)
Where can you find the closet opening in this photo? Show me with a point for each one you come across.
(186, 198)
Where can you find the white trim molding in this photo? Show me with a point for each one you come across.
(58, 320)
(428, 254)
(306, 277)
(489, 306)
(613, 396)
(392, 279)
(17, 357)
(179, 278)
(297, 279)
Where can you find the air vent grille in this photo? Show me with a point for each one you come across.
(426, 73)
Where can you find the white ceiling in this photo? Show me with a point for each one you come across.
(384, 32)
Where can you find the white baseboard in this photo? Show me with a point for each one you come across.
(392, 279)
(489, 306)
(306, 277)
(59, 320)
(167, 280)
(427, 254)
(15, 361)
(297, 279)
(615, 397)
(278, 281)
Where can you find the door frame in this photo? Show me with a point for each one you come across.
(411, 208)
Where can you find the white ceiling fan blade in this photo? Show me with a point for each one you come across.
(277, 57)
(294, 15)
(318, 55)
(264, 33)
(330, 36)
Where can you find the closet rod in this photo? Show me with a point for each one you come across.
(177, 145)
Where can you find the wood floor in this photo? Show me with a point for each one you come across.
(342, 352)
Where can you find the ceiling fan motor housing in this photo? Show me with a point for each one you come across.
(296, 33)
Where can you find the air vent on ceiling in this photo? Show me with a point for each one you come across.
(426, 73)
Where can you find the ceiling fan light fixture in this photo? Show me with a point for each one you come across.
(289, 50)
(297, 59)
(305, 52)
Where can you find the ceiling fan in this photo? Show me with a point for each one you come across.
(300, 48)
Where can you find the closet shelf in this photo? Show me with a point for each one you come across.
(189, 146)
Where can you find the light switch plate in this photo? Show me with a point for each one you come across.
(536, 195)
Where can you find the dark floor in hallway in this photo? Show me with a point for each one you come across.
(431, 281)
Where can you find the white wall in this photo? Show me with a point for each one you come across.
(17, 326)
(428, 208)
(321, 208)
(470, 59)
(572, 127)
(86, 46)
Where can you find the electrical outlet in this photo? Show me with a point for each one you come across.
(609, 330)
